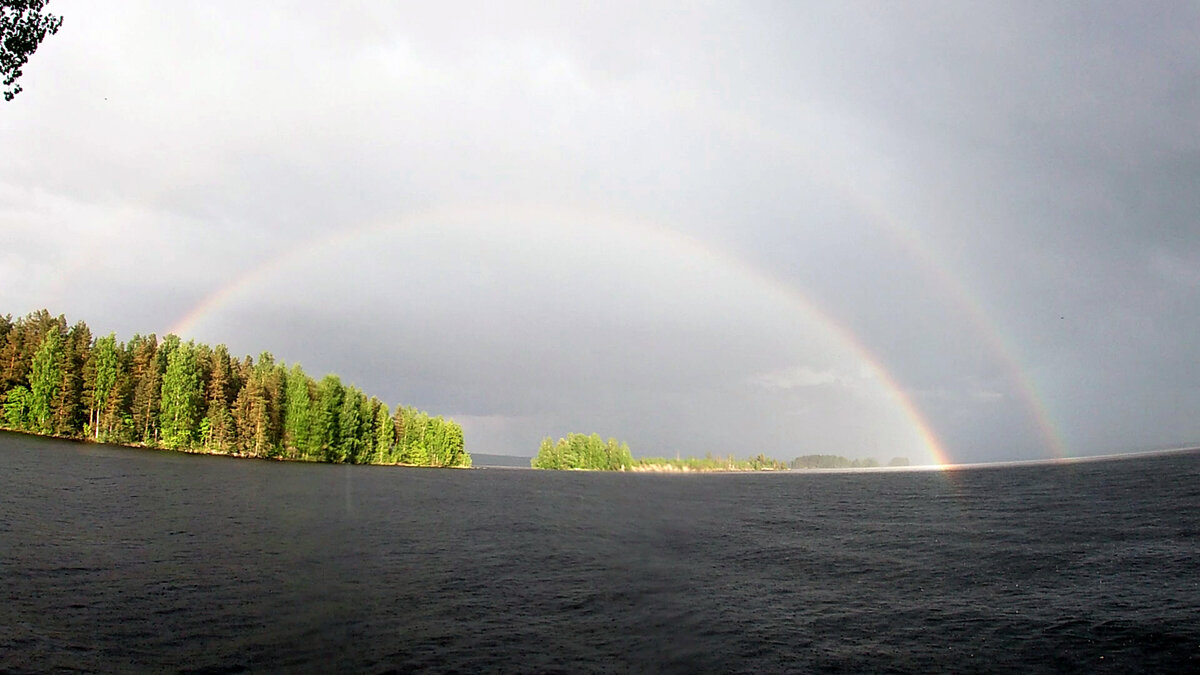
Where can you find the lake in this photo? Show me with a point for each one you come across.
(116, 559)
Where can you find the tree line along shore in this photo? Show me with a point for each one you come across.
(59, 380)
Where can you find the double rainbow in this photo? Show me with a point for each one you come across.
(685, 246)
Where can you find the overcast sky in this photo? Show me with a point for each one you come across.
(964, 231)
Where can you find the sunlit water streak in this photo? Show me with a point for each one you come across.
(116, 559)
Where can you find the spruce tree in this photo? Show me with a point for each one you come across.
(68, 404)
(147, 387)
(252, 413)
(221, 430)
(274, 383)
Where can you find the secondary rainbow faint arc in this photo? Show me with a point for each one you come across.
(905, 235)
(974, 311)
(677, 240)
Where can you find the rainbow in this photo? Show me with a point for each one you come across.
(685, 245)
(970, 307)
(815, 161)
(817, 164)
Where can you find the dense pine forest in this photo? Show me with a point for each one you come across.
(58, 380)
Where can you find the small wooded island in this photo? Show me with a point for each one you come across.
(583, 452)
(592, 453)
(57, 380)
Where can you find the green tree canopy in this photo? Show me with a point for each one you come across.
(181, 397)
(579, 451)
(45, 380)
(104, 370)
(298, 415)
(189, 396)
(23, 26)
(16, 408)
(220, 431)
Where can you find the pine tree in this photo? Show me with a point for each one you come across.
(147, 387)
(23, 341)
(255, 411)
(221, 433)
(250, 416)
(6, 326)
(68, 404)
(273, 377)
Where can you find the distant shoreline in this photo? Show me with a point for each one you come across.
(659, 469)
(674, 470)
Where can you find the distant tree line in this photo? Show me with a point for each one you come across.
(58, 380)
(759, 462)
(832, 462)
(839, 462)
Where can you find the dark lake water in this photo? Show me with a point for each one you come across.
(127, 560)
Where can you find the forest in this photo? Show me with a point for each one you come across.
(59, 380)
